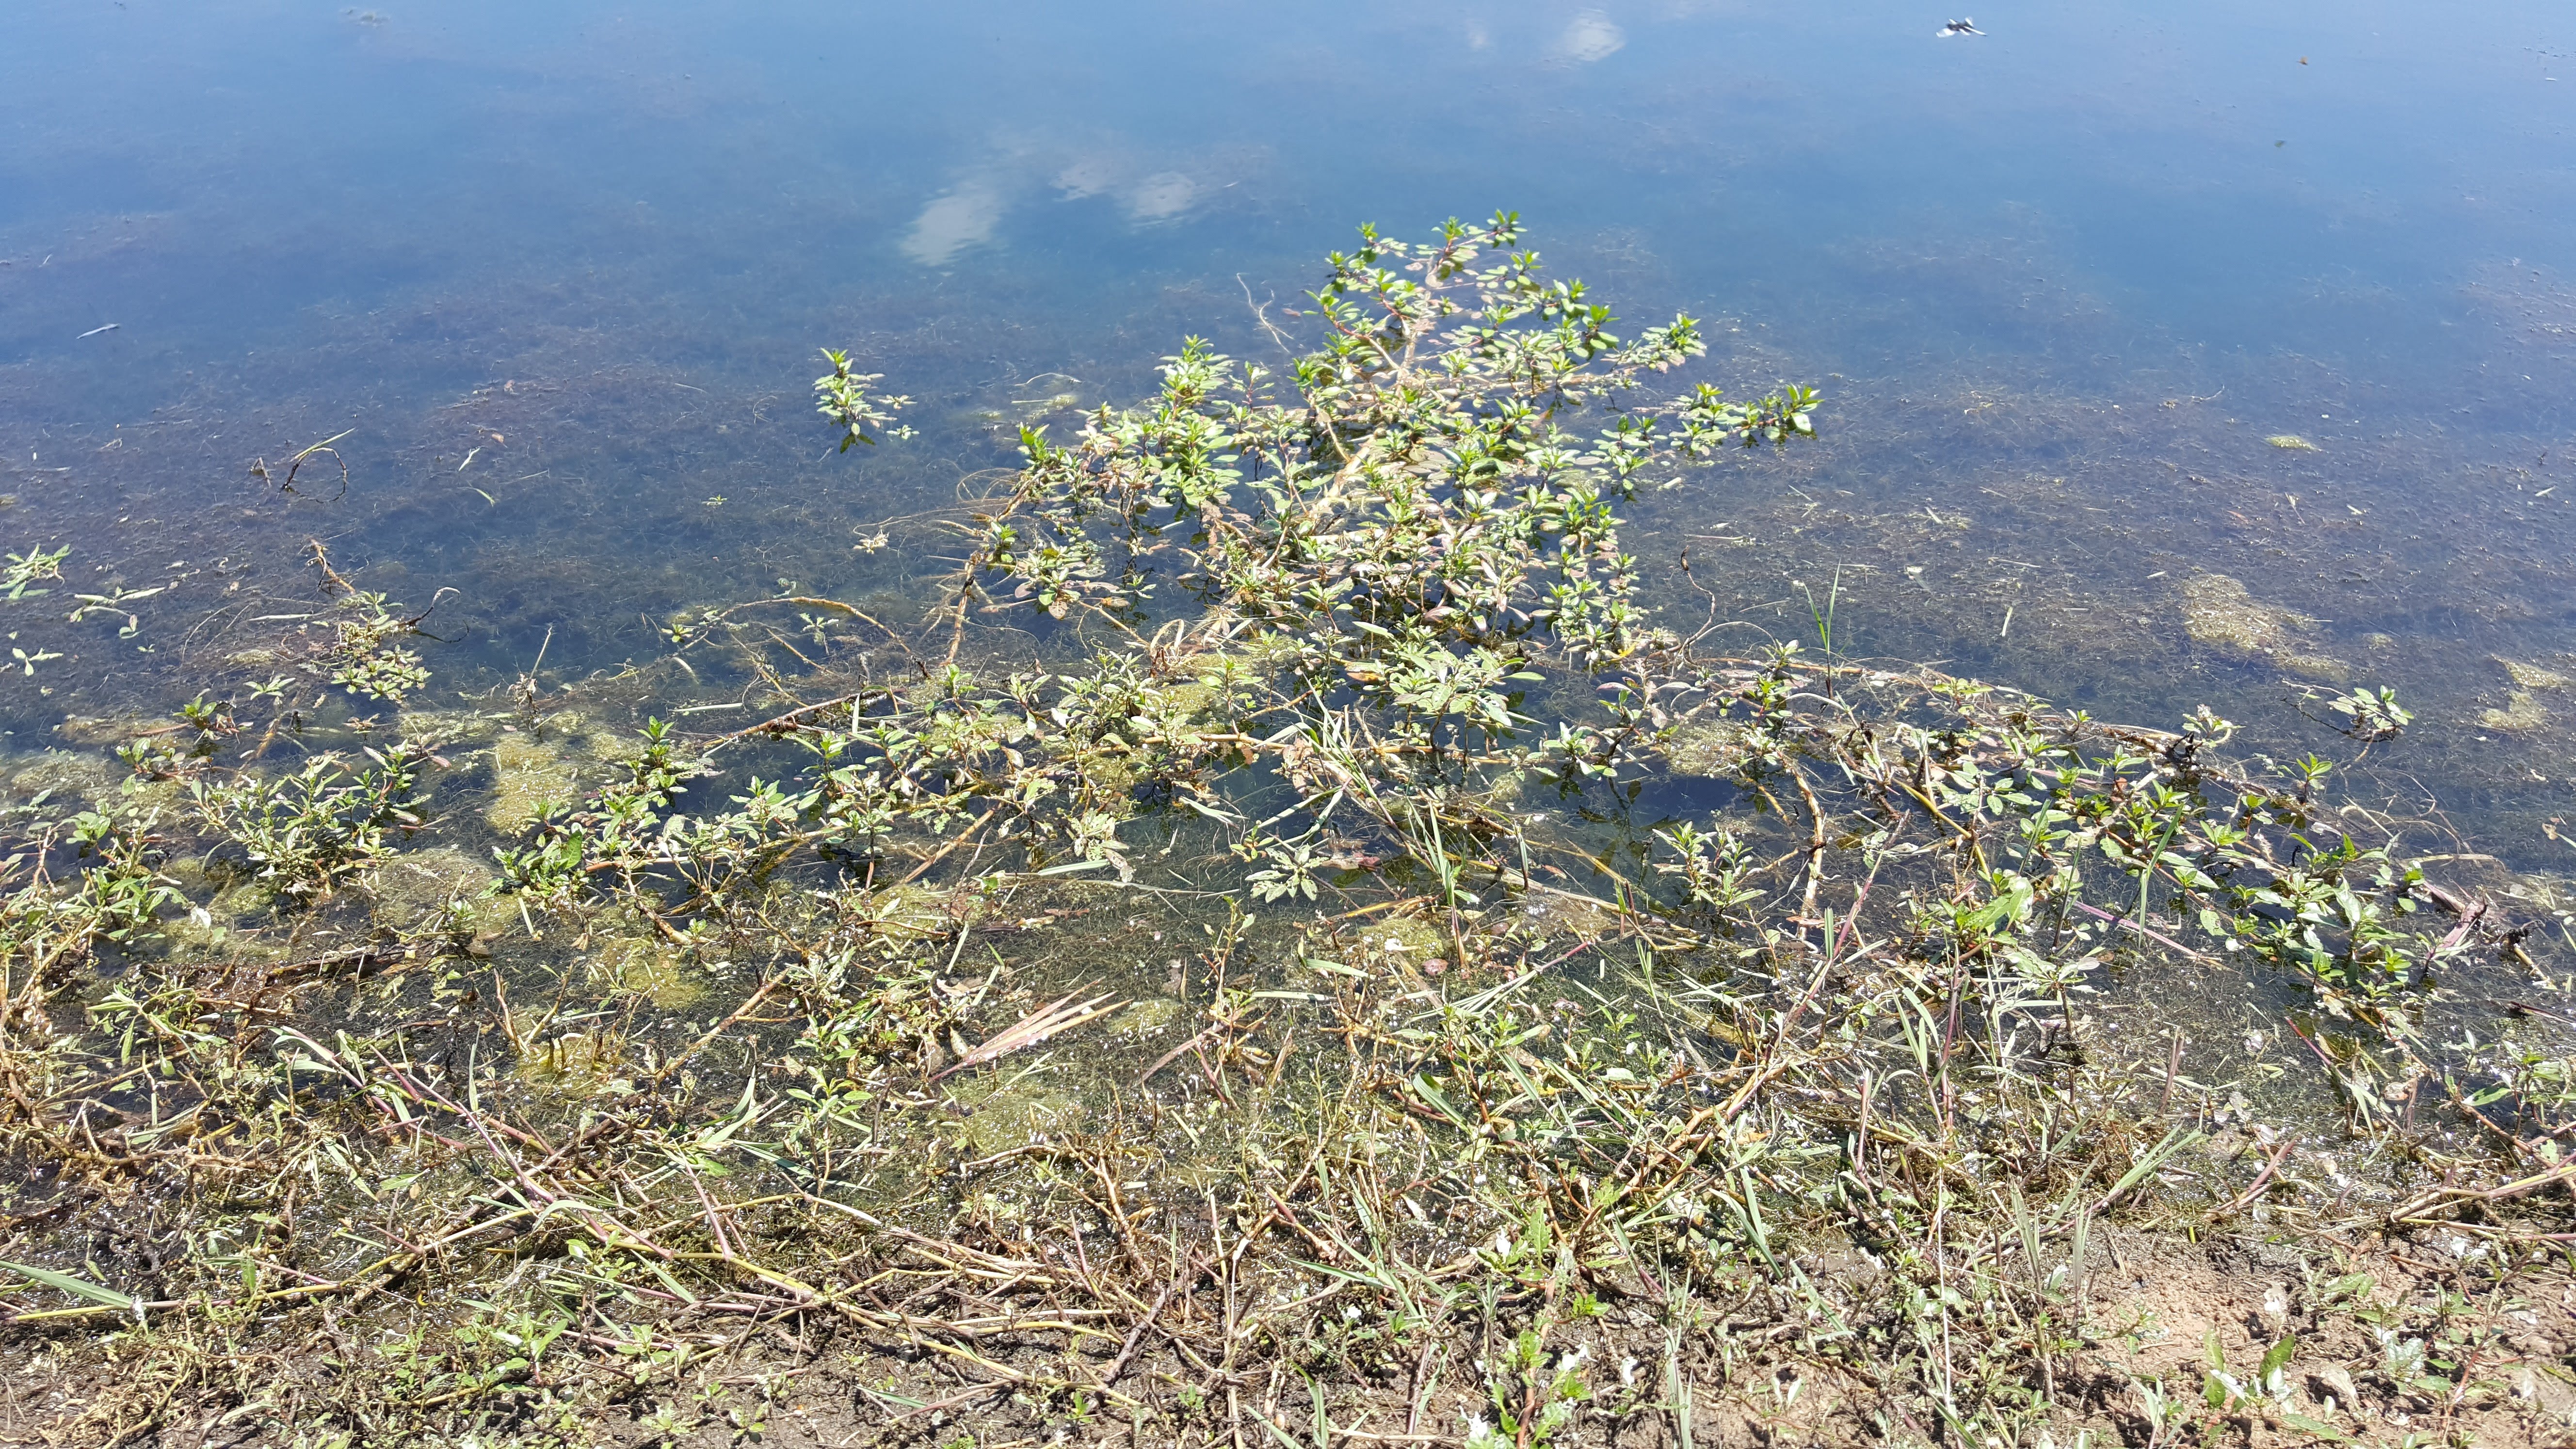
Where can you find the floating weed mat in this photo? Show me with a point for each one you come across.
(1286, 949)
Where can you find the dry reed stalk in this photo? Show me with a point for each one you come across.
(1062, 1015)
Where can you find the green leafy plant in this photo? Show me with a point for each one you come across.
(26, 569)
(306, 832)
(843, 397)
(1534, 1399)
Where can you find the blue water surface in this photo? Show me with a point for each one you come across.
(558, 273)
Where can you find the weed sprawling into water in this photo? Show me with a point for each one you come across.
(1289, 947)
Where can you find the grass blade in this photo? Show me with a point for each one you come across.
(2163, 1152)
(74, 1286)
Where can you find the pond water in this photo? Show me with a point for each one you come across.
(2172, 353)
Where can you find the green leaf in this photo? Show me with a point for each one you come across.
(1423, 1089)
(1071, 866)
(2272, 1377)
(2177, 1141)
(73, 1286)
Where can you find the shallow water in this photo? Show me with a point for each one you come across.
(561, 274)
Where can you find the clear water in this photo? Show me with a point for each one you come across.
(561, 271)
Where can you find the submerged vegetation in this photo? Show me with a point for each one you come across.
(1296, 944)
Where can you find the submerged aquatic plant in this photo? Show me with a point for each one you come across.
(25, 569)
(842, 396)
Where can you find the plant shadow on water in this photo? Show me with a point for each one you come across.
(1244, 917)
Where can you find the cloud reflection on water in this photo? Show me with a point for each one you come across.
(952, 223)
(1590, 36)
(1148, 189)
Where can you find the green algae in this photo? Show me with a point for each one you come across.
(1548, 914)
(531, 775)
(1712, 748)
(906, 915)
(2522, 713)
(2218, 611)
(416, 885)
(1005, 1108)
(1148, 1017)
(1397, 939)
(243, 902)
(2531, 676)
(61, 773)
(644, 965)
(2314, 666)
(577, 1064)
